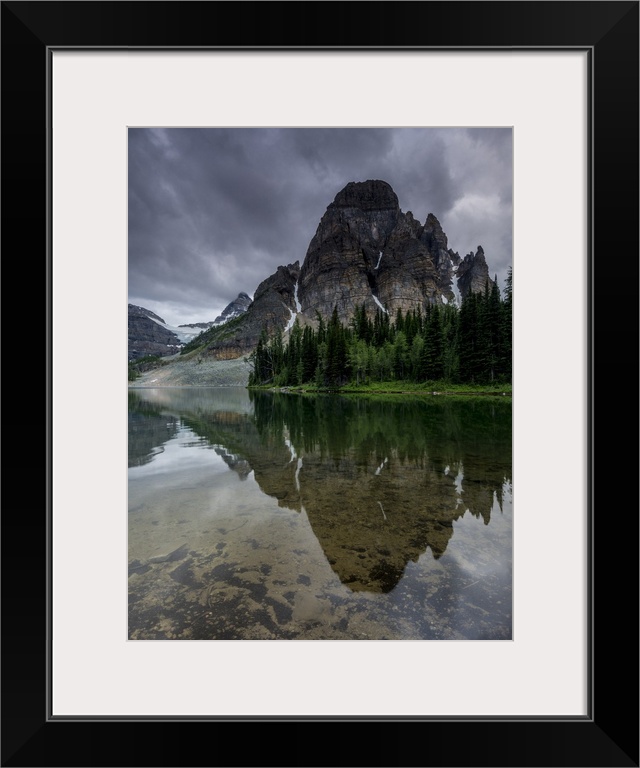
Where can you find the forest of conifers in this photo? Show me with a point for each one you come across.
(446, 344)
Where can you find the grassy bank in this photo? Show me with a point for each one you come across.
(400, 387)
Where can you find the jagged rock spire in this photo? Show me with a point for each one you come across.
(365, 250)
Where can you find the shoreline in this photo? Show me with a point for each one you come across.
(218, 374)
(421, 392)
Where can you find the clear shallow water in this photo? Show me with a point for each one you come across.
(258, 515)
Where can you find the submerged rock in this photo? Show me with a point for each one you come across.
(177, 554)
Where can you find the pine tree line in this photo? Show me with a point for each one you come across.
(466, 345)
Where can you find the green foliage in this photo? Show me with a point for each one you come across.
(210, 335)
(443, 348)
(142, 364)
(336, 365)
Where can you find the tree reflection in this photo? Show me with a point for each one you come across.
(382, 479)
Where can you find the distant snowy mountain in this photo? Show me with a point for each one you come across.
(237, 307)
(150, 335)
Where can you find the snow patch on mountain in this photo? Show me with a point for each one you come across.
(292, 320)
(454, 284)
(377, 301)
(295, 297)
(184, 334)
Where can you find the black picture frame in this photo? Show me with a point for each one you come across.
(608, 736)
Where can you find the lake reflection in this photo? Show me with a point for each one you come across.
(259, 515)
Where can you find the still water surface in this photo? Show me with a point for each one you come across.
(274, 516)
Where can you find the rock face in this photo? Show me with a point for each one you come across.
(366, 250)
(272, 308)
(473, 273)
(200, 326)
(148, 334)
(237, 307)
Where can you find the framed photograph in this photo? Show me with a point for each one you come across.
(89, 89)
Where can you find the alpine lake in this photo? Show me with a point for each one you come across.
(260, 515)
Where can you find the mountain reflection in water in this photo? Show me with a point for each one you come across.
(383, 481)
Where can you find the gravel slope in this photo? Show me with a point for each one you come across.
(189, 373)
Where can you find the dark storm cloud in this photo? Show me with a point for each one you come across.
(213, 212)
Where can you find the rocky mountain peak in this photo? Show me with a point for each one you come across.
(148, 334)
(433, 235)
(272, 309)
(239, 305)
(135, 311)
(365, 251)
(473, 273)
(370, 195)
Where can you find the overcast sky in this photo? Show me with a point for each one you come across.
(214, 211)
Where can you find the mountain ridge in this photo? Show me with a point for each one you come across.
(365, 251)
(148, 334)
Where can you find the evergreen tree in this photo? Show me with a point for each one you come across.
(410, 326)
(419, 320)
(507, 326)
(400, 356)
(470, 344)
(322, 329)
(359, 359)
(309, 354)
(415, 355)
(293, 355)
(494, 331)
(432, 367)
(336, 368)
(450, 317)
(266, 366)
(399, 324)
(361, 323)
(467, 338)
